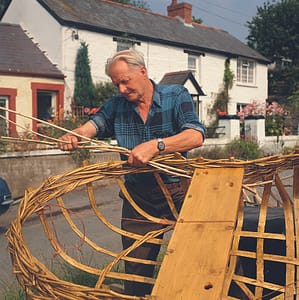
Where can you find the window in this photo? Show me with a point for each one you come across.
(240, 106)
(246, 71)
(123, 46)
(3, 116)
(192, 64)
(125, 42)
(45, 105)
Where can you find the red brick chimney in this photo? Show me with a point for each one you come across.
(182, 10)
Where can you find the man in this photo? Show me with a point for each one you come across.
(149, 120)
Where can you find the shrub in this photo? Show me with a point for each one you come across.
(244, 149)
(215, 152)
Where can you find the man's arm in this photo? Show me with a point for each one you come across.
(69, 141)
(181, 142)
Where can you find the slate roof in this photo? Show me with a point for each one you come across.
(118, 19)
(20, 56)
(181, 77)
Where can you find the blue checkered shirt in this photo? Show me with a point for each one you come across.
(171, 112)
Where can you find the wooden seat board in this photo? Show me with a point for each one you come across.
(197, 255)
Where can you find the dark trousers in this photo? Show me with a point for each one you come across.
(153, 202)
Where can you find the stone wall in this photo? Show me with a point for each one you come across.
(23, 170)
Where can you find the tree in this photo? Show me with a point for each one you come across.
(104, 91)
(274, 31)
(196, 20)
(84, 89)
(137, 3)
(3, 6)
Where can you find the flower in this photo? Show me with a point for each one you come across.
(221, 113)
(93, 110)
(274, 116)
(253, 109)
(90, 111)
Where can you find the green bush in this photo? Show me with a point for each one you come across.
(244, 149)
(215, 152)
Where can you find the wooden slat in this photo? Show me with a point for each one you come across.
(198, 252)
(260, 241)
(296, 216)
(290, 237)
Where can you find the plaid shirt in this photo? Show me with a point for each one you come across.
(171, 112)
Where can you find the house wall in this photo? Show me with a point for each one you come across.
(62, 49)
(24, 95)
(159, 60)
(241, 93)
(39, 25)
(212, 68)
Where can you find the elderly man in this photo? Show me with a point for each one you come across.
(148, 119)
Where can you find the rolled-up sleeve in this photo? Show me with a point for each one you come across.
(187, 117)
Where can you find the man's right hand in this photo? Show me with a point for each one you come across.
(68, 142)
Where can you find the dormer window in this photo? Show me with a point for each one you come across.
(125, 42)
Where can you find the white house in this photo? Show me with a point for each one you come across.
(170, 43)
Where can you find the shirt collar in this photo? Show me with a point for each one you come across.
(156, 95)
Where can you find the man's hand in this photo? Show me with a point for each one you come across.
(143, 153)
(68, 142)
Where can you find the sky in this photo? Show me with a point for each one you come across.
(229, 15)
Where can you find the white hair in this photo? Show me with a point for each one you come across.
(131, 56)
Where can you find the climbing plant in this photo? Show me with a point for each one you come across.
(219, 106)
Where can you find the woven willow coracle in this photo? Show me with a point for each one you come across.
(268, 183)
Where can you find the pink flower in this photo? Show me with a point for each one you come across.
(93, 110)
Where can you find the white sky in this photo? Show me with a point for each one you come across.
(229, 15)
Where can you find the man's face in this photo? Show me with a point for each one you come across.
(129, 80)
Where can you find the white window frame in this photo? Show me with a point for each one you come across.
(246, 71)
(123, 46)
(4, 103)
(193, 67)
(125, 43)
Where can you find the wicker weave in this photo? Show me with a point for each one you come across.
(263, 186)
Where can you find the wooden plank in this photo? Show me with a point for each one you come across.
(197, 256)
(296, 216)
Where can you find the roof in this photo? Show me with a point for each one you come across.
(28, 60)
(119, 19)
(181, 78)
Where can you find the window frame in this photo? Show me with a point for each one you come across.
(193, 69)
(246, 71)
(4, 115)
